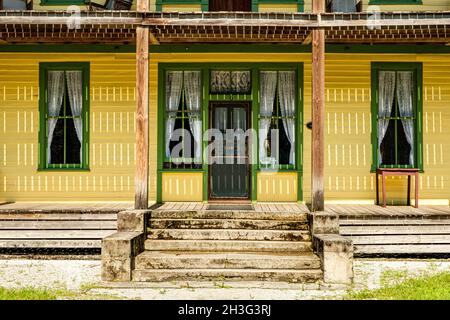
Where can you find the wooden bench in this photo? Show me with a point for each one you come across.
(398, 172)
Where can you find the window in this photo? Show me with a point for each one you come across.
(230, 5)
(62, 2)
(394, 2)
(64, 115)
(230, 82)
(183, 120)
(397, 118)
(277, 119)
(343, 5)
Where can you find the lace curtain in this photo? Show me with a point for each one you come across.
(55, 93)
(405, 107)
(75, 89)
(224, 81)
(386, 89)
(192, 89)
(174, 85)
(268, 82)
(286, 92)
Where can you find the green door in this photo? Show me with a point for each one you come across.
(229, 163)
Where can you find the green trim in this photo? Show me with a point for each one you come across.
(205, 3)
(205, 67)
(395, 2)
(417, 67)
(68, 48)
(238, 48)
(44, 67)
(289, 48)
(62, 2)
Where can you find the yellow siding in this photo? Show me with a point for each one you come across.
(427, 5)
(181, 8)
(182, 186)
(277, 186)
(347, 127)
(265, 7)
(112, 136)
(348, 153)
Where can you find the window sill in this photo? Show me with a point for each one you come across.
(64, 169)
(374, 170)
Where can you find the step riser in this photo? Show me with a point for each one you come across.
(246, 215)
(227, 224)
(204, 263)
(199, 234)
(305, 276)
(222, 246)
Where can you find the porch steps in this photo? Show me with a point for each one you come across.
(381, 235)
(227, 245)
(54, 229)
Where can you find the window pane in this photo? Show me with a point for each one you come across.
(57, 142)
(387, 146)
(73, 145)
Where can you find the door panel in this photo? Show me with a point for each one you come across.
(229, 170)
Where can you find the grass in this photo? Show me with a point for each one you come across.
(30, 293)
(398, 287)
(27, 294)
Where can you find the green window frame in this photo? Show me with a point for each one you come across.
(253, 98)
(62, 2)
(44, 68)
(205, 3)
(182, 115)
(394, 2)
(416, 68)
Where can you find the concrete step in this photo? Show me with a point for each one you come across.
(222, 214)
(228, 245)
(229, 234)
(229, 260)
(227, 224)
(288, 275)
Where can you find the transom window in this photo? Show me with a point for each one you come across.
(277, 119)
(64, 112)
(183, 119)
(397, 119)
(230, 5)
(230, 82)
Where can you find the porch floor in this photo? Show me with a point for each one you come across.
(258, 207)
(374, 211)
(57, 227)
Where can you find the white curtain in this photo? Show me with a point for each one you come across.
(55, 96)
(286, 92)
(268, 80)
(386, 91)
(192, 90)
(174, 85)
(75, 88)
(405, 106)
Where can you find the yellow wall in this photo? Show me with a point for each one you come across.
(112, 121)
(347, 126)
(348, 152)
(182, 186)
(280, 187)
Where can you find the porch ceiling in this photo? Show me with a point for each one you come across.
(119, 27)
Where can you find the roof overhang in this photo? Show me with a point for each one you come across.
(226, 27)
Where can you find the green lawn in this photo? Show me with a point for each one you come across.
(436, 287)
(26, 294)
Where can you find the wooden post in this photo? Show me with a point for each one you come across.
(318, 113)
(141, 174)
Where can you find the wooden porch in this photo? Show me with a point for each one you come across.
(82, 225)
(50, 226)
